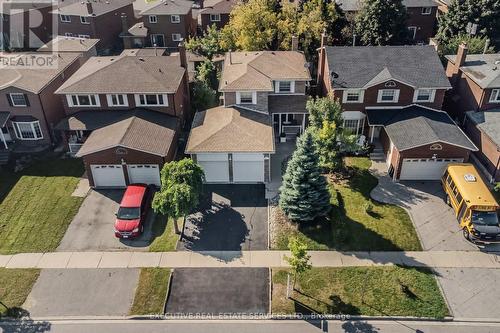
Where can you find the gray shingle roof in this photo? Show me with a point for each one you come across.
(361, 66)
(167, 7)
(415, 126)
(484, 69)
(488, 122)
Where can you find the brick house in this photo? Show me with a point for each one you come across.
(124, 114)
(29, 108)
(387, 92)
(216, 12)
(421, 22)
(264, 94)
(95, 19)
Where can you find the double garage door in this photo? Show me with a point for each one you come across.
(246, 168)
(425, 169)
(112, 175)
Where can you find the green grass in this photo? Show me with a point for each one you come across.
(164, 236)
(151, 291)
(36, 205)
(15, 285)
(372, 291)
(351, 227)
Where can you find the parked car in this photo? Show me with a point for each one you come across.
(133, 211)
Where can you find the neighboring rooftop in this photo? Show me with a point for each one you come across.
(218, 6)
(137, 30)
(366, 66)
(126, 74)
(166, 7)
(488, 122)
(255, 70)
(355, 5)
(414, 126)
(147, 131)
(222, 129)
(33, 79)
(484, 69)
(147, 52)
(99, 7)
(69, 44)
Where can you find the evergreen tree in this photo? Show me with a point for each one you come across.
(382, 22)
(304, 194)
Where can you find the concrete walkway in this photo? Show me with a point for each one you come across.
(434, 259)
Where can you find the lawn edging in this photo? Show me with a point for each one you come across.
(169, 289)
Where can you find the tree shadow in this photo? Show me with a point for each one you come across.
(359, 327)
(335, 306)
(19, 320)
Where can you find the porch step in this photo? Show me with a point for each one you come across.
(4, 157)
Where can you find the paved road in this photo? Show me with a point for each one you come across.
(248, 327)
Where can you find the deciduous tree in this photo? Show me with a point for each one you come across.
(299, 259)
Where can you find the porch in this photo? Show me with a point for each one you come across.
(75, 140)
(288, 126)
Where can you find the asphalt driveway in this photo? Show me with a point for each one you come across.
(219, 290)
(93, 225)
(82, 292)
(230, 218)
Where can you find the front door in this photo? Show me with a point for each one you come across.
(157, 40)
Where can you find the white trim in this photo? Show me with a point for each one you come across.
(277, 85)
(153, 19)
(123, 146)
(109, 98)
(32, 124)
(361, 96)
(496, 93)
(84, 20)
(69, 99)
(3, 139)
(432, 95)
(395, 96)
(254, 97)
(175, 39)
(67, 18)
(425, 13)
(18, 106)
(380, 82)
(138, 99)
(176, 20)
(412, 29)
(216, 20)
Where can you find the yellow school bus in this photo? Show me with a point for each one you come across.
(475, 207)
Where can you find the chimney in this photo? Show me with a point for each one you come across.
(124, 24)
(321, 63)
(295, 43)
(182, 55)
(90, 10)
(461, 55)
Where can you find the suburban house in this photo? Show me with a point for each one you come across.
(215, 12)
(483, 127)
(394, 94)
(475, 79)
(264, 94)
(86, 46)
(421, 22)
(123, 116)
(29, 110)
(94, 19)
(163, 23)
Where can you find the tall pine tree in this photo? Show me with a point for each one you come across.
(304, 194)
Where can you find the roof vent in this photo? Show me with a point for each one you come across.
(141, 59)
(469, 177)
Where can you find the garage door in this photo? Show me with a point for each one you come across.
(425, 169)
(144, 173)
(216, 167)
(109, 175)
(248, 168)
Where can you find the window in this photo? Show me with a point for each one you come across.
(215, 17)
(495, 96)
(152, 100)
(68, 34)
(65, 18)
(84, 20)
(83, 100)
(426, 10)
(412, 32)
(424, 95)
(28, 130)
(284, 87)
(84, 36)
(246, 97)
(353, 96)
(18, 100)
(153, 19)
(117, 100)
(388, 96)
(157, 40)
(175, 18)
(176, 37)
(351, 125)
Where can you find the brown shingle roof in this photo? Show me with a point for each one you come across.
(126, 74)
(148, 131)
(79, 7)
(218, 6)
(224, 129)
(167, 7)
(69, 44)
(256, 70)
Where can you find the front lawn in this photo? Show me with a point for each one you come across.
(36, 205)
(352, 227)
(151, 291)
(15, 285)
(371, 291)
(164, 236)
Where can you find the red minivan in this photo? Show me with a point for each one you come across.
(134, 208)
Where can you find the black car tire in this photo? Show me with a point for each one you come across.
(448, 202)
(142, 228)
(466, 234)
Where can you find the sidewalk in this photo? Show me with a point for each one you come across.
(434, 259)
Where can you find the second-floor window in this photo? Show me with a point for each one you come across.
(83, 100)
(151, 100)
(283, 87)
(388, 96)
(84, 20)
(153, 19)
(246, 97)
(18, 100)
(426, 10)
(495, 96)
(215, 17)
(175, 18)
(65, 18)
(353, 96)
(117, 100)
(424, 95)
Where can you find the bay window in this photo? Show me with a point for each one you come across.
(424, 95)
(83, 100)
(246, 97)
(151, 100)
(117, 100)
(28, 130)
(388, 96)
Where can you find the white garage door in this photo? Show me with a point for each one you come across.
(248, 168)
(425, 169)
(109, 175)
(144, 173)
(215, 166)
